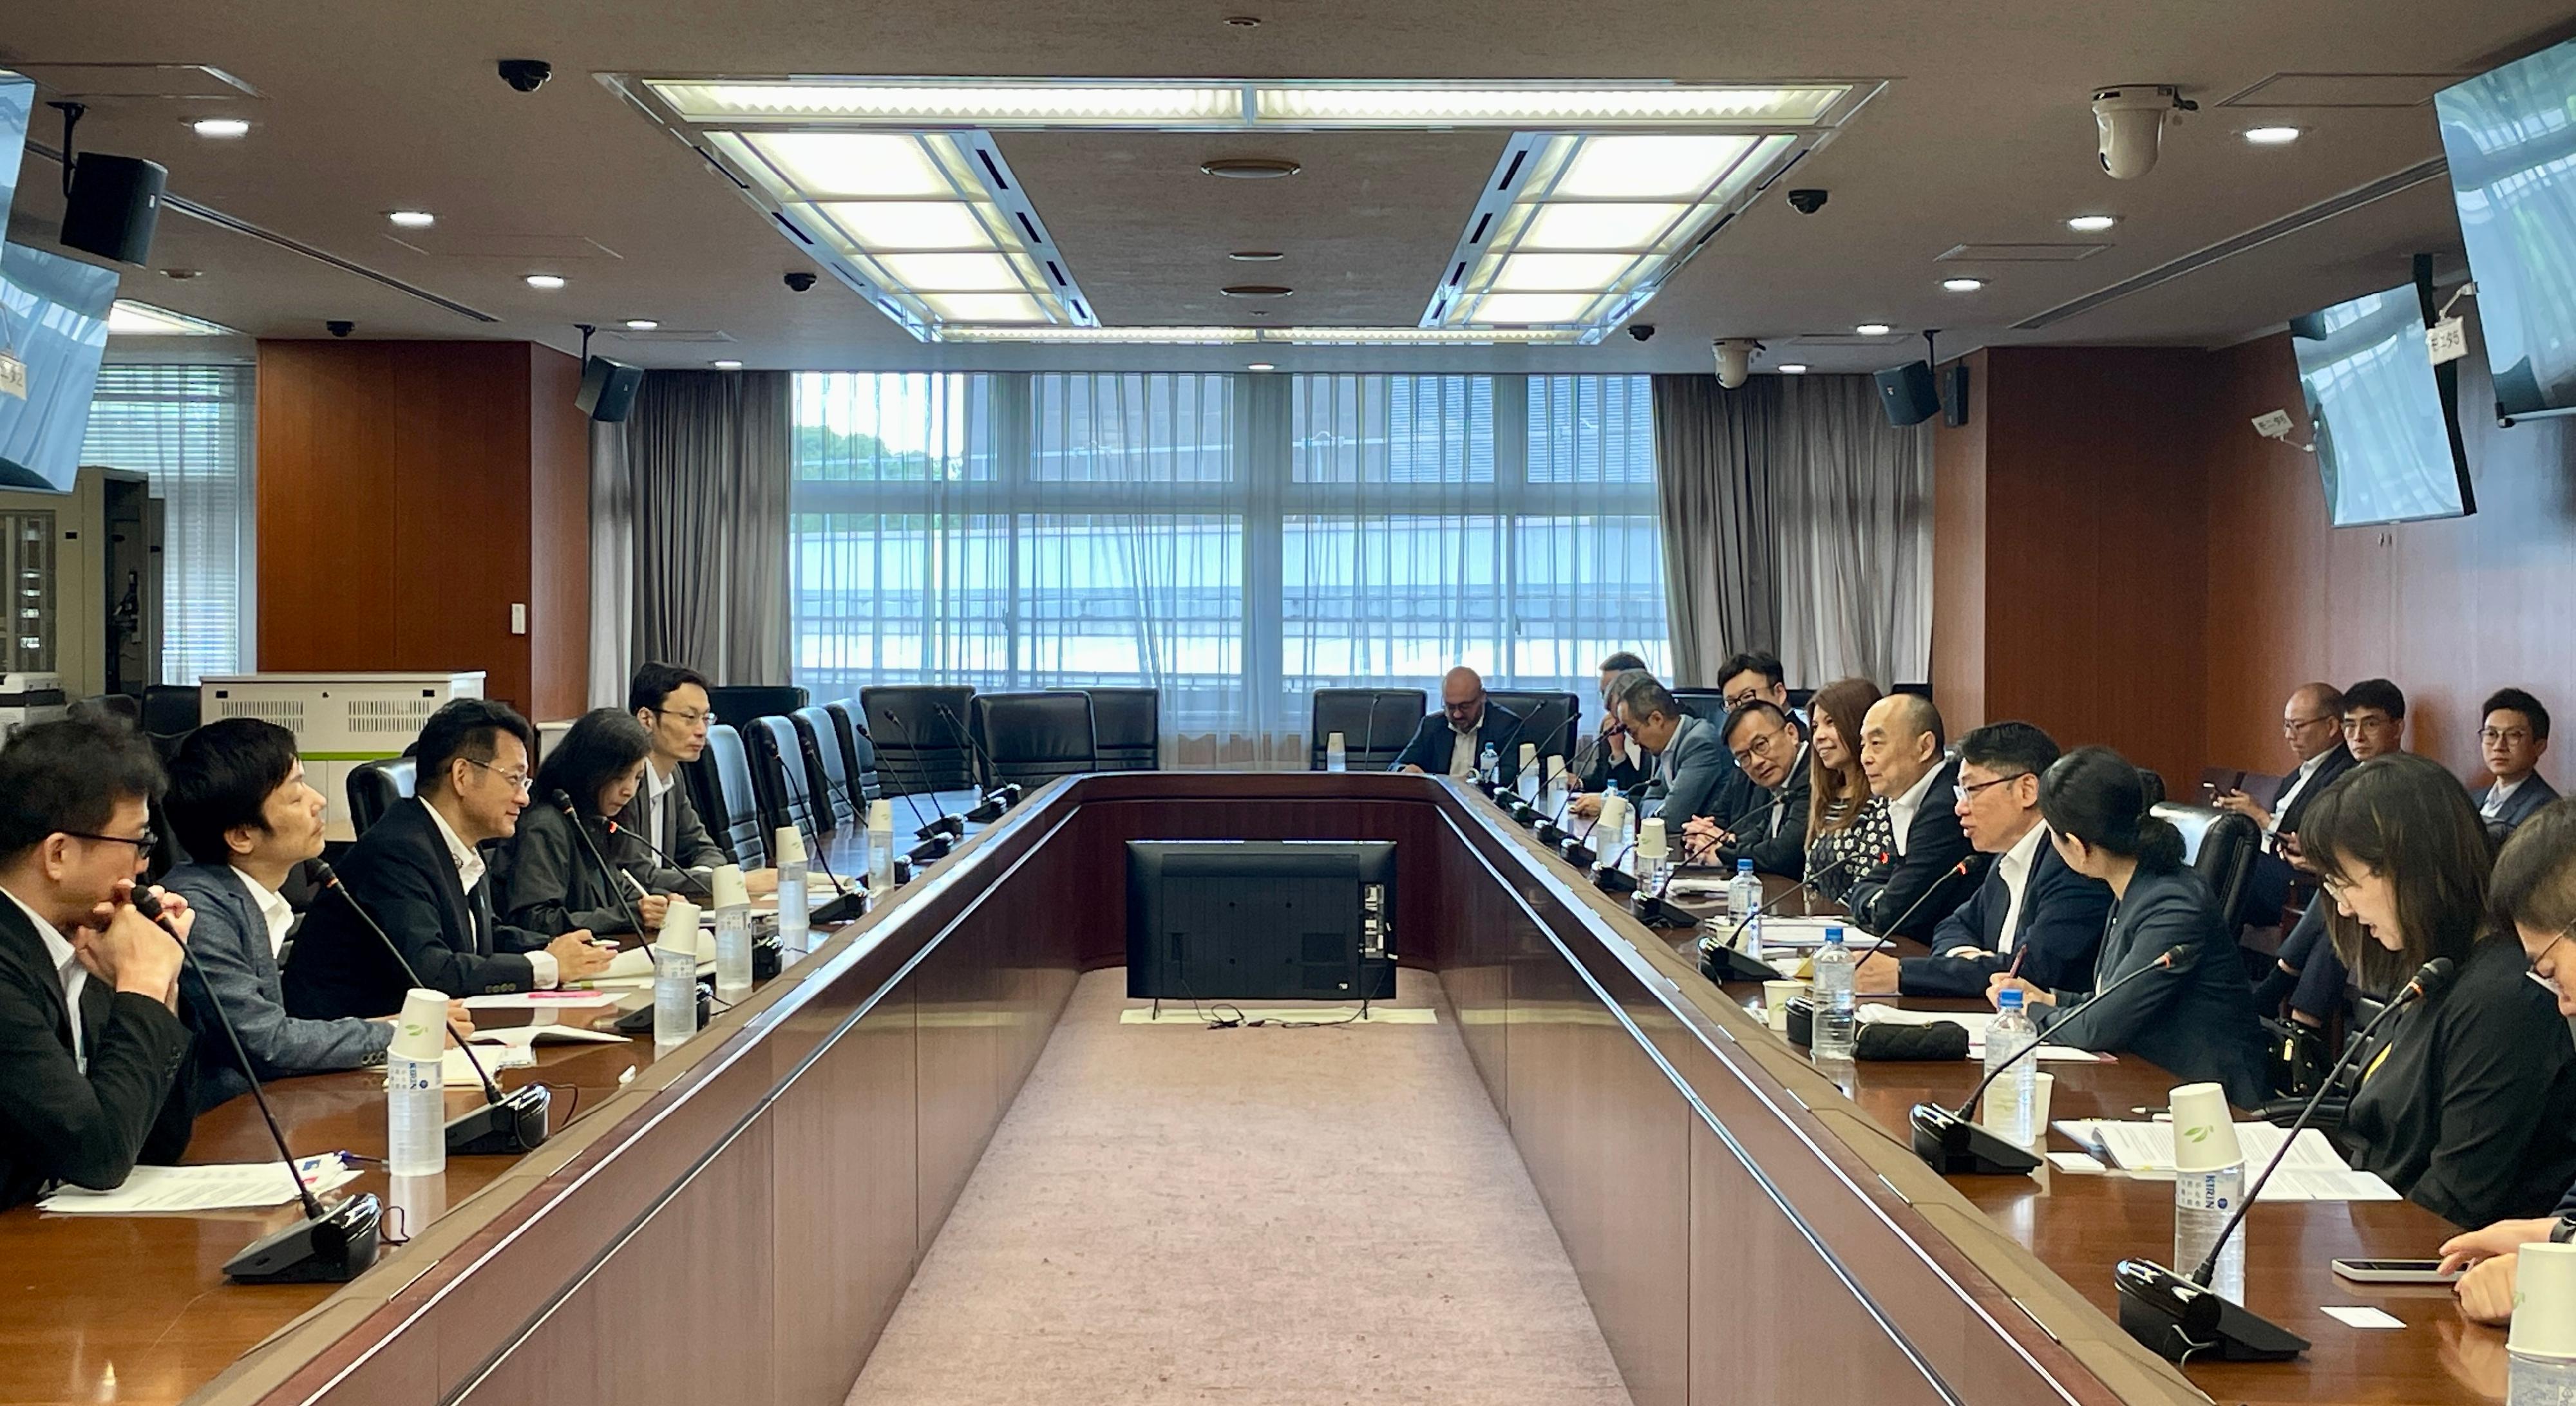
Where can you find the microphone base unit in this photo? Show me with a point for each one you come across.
(842, 909)
(1548, 833)
(1953, 1146)
(1656, 911)
(988, 810)
(1614, 880)
(2179, 1319)
(518, 1123)
(334, 1249)
(1577, 853)
(1725, 964)
(946, 825)
(934, 847)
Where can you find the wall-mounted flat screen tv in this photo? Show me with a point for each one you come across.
(2388, 448)
(53, 317)
(2510, 135)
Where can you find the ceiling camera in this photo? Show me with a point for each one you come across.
(526, 75)
(1808, 202)
(1735, 360)
(1642, 331)
(2131, 123)
(798, 282)
(339, 328)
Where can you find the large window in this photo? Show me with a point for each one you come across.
(1235, 541)
(188, 428)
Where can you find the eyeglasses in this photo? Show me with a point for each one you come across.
(689, 717)
(142, 843)
(1762, 746)
(1742, 696)
(1457, 710)
(2512, 736)
(2291, 725)
(518, 781)
(1968, 791)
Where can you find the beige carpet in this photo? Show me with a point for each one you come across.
(1174, 1214)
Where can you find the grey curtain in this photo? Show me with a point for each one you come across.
(1852, 499)
(709, 468)
(1713, 453)
(612, 566)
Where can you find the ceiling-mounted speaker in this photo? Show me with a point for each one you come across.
(1954, 395)
(1908, 394)
(114, 203)
(607, 389)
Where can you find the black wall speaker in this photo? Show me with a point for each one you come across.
(114, 203)
(607, 389)
(1908, 394)
(1954, 395)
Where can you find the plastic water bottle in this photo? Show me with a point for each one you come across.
(881, 846)
(1744, 908)
(2010, 1099)
(2537, 1379)
(1832, 1034)
(2541, 1350)
(1337, 752)
(416, 1088)
(733, 932)
(1611, 826)
(1489, 764)
(2203, 1202)
(675, 976)
(794, 938)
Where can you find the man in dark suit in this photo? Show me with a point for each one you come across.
(1911, 891)
(2306, 972)
(2513, 740)
(1766, 745)
(1690, 762)
(1613, 758)
(2312, 728)
(1449, 741)
(2032, 914)
(240, 805)
(93, 1055)
(671, 703)
(420, 872)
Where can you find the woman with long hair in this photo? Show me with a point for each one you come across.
(550, 883)
(2195, 1018)
(2466, 1102)
(1847, 827)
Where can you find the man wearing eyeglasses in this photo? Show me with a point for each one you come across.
(1767, 747)
(1449, 741)
(420, 872)
(2512, 742)
(2032, 917)
(1757, 676)
(2306, 973)
(671, 703)
(93, 1054)
(2312, 728)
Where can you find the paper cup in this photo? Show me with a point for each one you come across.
(1555, 768)
(2043, 1087)
(680, 926)
(420, 1032)
(1614, 817)
(1776, 996)
(726, 889)
(2204, 1136)
(2544, 1311)
(1334, 741)
(789, 845)
(1529, 757)
(881, 816)
(1650, 839)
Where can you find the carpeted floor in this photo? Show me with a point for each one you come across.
(1174, 1214)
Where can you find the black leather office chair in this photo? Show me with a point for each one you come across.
(1375, 723)
(170, 709)
(740, 705)
(728, 803)
(1033, 738)
(375, 787)
(858, 750)
(2153, 781)
(1548, 720)
(1127, 728)
(778, 776)
(2220, 844)
(1706, 704)
(922, 745)
(827, 773)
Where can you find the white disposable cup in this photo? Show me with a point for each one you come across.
(420, 1032)
(1555, 767)
(679, 926)
(789, 845)
(2544, 1314)
(2042, 1087)
(881, 815)
(2204, 1135)
(1650, 839)
(1529, 757)
(1776, 996)
(726, 888)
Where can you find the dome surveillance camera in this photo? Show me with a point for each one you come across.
(2131, 126)
(526, 75)
(1735, 360)
(799, 281)
(339, 328)
(1808, 202)
(1642, 331)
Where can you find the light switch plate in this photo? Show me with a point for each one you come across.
(518, 618)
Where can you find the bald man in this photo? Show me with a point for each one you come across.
(1449, 741)
(2312, 728)
(1909, 892)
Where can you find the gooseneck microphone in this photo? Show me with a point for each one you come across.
(328, 1246)
(937, 834)
(845, 904)
(1951, 1144)
(1003, 795)
(705, 885)
(572, 816)
(1549, 832)
(1509, 755)
(1916, 906)
(513, 1122)
(1722, 961)
(1737, 824)
(1368, 738)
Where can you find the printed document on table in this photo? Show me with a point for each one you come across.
(218, 1187)
(2312, 1172)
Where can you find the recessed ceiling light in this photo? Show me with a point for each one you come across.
(183, 275)
(547, 281)
(1873, 329)
(221, 127)
(1256, 256)
(1794, 368)
(1256, 290)
(1244, 22)
(641, 324)
(2272, 136)
(728, 365)
(412, 219)
(2092, 224)
(1963, 285)
(1251, 168)
(1259, 366)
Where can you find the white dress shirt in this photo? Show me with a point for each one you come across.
(545, 975)
(657, 787)
(2298, 782)
(273, 910)
(68, 969)
(1462, 749)
(1901, 810)
(2015, 865)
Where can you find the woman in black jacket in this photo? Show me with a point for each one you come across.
(2466, 1102)
(2194, 1019)
(550, 882)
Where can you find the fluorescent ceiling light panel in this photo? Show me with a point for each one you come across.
(982, 102)
(1650, 168)
(1605, 226)
(1548, 273)
(1534, 309)
(861, 165)
(1237, 336)
(985, 307)
(1418, 104)
(126, 318)
(903, 224)
(952, 273)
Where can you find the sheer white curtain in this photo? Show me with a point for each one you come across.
(1852, 501)
(1234, 541)
(188, 429)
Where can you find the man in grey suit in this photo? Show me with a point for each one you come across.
(2511, 742)
(671, 703)
(238, 803)
(1691, 761)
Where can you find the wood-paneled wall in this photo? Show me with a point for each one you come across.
(410, 493)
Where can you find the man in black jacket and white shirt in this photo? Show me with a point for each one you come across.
(1901, 750)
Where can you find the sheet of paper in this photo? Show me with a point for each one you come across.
(522, 1036)
(2362, 1316)
(2312, 1172)
(2075, 1162)
(219, 1187)
(459, 1072)
(541, 1001)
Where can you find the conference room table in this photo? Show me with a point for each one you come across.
(736, 1217)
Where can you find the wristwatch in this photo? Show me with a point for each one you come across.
(2564, 1232)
